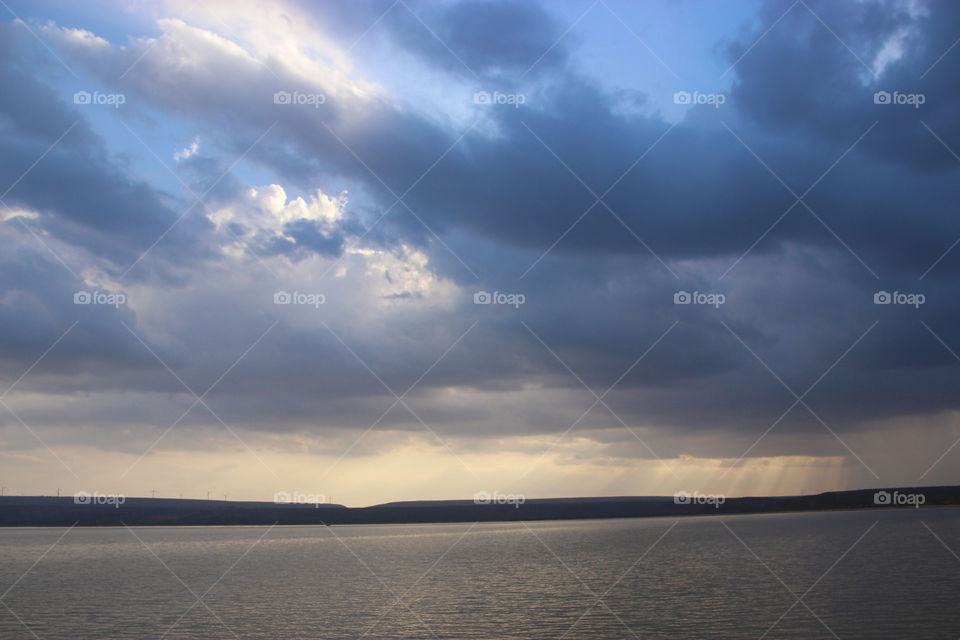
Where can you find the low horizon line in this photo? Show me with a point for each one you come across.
(473, 500)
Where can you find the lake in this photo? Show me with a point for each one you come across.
(864, 574)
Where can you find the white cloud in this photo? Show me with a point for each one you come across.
(267, 209)
(897, 44)
(284, 37)
(187, 151)
(82, 38)
(9, 214)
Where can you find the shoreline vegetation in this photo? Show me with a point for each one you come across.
(43, 511)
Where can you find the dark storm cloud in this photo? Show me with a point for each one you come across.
(802, 81)
(498, 38)
(308, 236)
(38, 309)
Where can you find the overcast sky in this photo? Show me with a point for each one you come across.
(403, 250)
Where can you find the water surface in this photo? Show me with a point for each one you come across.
(875, 574)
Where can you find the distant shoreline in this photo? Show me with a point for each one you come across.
(39, 511)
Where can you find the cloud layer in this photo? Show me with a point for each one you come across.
(383, 168)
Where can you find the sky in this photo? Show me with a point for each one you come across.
(377, 251)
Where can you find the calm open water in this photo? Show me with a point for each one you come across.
(698, 579)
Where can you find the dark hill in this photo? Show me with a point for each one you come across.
(59, 512)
